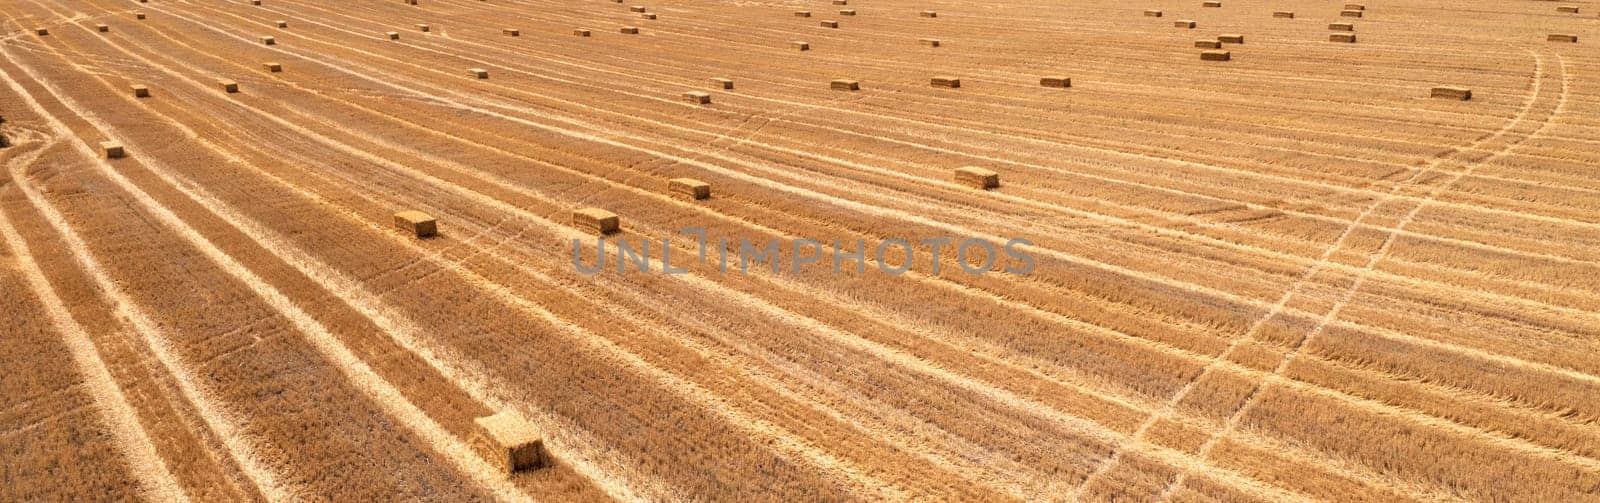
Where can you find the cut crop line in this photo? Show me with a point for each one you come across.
(155, 478)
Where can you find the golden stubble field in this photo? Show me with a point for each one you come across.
(1271, 253)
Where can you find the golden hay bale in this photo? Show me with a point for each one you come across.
(929, 13)
(269, 41)
(102, 28)
(1556, 37)
(648, 15)
(930, 42)
(1572, 9)
(393, 35)
(138, 15)
(113, 150)
(844, 85)
(580, 32)
(841, 2)
(847, 12)
(511, 32)
(1183, 23)
(228, 86)
(1348, 38)
(802, 13)
(803, 46)
(1350, 13)
(42, 31)
(281, 23)
(478, 72)
(636, 8)
(1055, 81)
(411, 2)
(945, 82)
(1215, 55)
(272, 67)
(1211, 4)
(1208, 44)
(830, 24)
(140, 91)
(417, 223)
(697, 97)
(1354, 6)
(1152, 13)
(977, 177)
(630, 30)
(1341, 26)
(689, 188)
(1449, 92)
(1231, 38)
(722, 83)
(509, 442)
(1283, 14)
(424, 28)
(596, 220)
(255, 2)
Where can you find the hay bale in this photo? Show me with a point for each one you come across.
(417, 223)
(1062, 82)
(1152, 13)
(281, 23)
(841, 2)
(113, 150)
(697, 97)
(1215, 55)
(945, 82)
(722, 83)
(269, 41)
(689, 188)
(847, 12)
(1341, 27)
(929, 13)
(648, 15)
(1571, 9)
(255, 3)
(977, 177)
(1231, 38)
(42, 32)
(228, 86)
(630, 30)
(1354, 6)
(424, 28)
(802, 13)
(636, 8)
(140, 91)
(393, 35)
(412, 2)
(1450, 92)
(511, 32)
(1556, 37)
(1208, 44)
(139, 15)
(1211, 4)
(798, 45)
(1348, 38)
(596, 221)
(478, 72)
(830, 24)
(272, 67)
(1283, 14)
(509, 442)
(844, 85)
(102, 28)
(580, 32)
(930, 42)
(1350, 13)
(1183, 23)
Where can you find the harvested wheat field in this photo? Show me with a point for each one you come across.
(279, 250)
